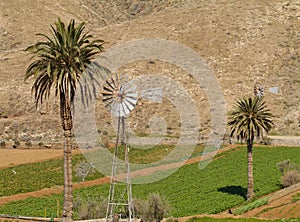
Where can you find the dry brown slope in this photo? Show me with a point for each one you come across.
(243, 42)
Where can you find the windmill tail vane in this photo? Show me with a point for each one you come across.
(259, 90)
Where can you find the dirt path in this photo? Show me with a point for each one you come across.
(13, 157)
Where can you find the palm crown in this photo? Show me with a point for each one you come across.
(61, 60)
(250, 118)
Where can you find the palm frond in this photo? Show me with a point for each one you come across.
(249, 119)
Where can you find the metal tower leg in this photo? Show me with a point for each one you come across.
(117, 202)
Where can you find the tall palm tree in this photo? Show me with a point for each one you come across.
(247, 121)
(59, 64)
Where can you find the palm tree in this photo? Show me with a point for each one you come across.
(59, 64)
(247, 121)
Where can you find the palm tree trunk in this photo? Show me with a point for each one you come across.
(66, 117)
(250, 191)
(68, 197)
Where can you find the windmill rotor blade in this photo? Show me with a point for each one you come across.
(105, 88)
(131, 100)
(114, 83)
(108, 101)
(105, 94)
(129, 105)
(108, 96)
(109, 85)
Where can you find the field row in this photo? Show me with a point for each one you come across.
(189, 191)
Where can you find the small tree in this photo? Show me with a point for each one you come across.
(83, 169)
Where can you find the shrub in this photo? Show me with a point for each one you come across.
(155, 208)
(287, 165)
(16, 143)
(290, 178)
(290, 173)
(28, 144)
(90, 208)
(2, 144)
(283, 166)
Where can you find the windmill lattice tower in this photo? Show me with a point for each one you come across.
(120, 97)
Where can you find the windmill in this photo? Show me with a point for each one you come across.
(120, 97)
(259, 90)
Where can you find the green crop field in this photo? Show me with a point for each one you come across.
(190, 191)
(36, 176)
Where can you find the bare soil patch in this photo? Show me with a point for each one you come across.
(14, 157)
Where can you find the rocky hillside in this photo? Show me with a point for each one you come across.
(245, 43)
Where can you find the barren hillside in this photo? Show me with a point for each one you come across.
(244, 42)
